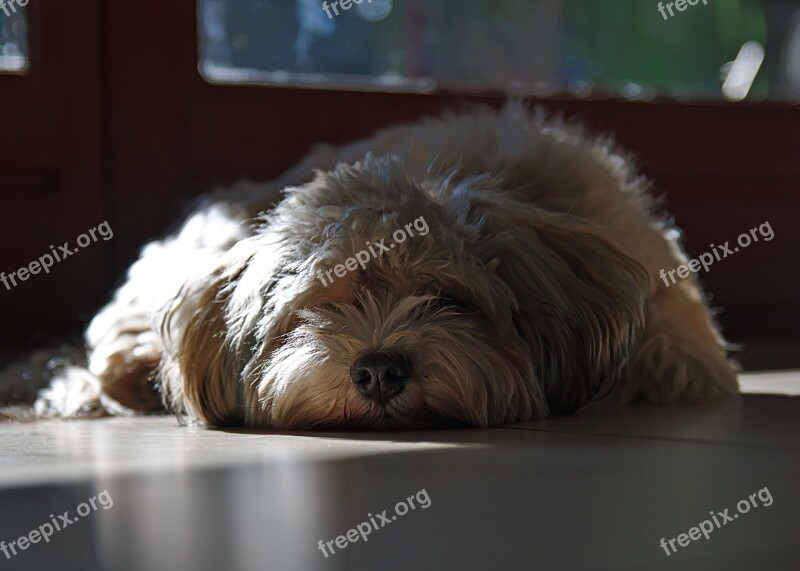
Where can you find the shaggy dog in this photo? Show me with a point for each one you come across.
(512, 273)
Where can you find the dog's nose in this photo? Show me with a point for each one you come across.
(381, 375)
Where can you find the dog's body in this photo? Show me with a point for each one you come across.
(535, 291)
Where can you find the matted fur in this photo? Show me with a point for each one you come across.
(547, 237)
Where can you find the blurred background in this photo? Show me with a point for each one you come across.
(512, 46)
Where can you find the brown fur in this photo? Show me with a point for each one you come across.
(548, 239)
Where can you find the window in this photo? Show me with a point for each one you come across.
(629, 48)
(13, 36)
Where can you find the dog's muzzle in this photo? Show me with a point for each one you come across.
(380, 375)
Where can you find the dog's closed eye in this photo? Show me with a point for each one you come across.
(446, 301)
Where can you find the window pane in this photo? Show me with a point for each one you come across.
(13, 36)
(732, 49)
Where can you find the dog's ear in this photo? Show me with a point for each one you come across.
(199, 374)
(210, 383)
(580, 300)
(223, 324)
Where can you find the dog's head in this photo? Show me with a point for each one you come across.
(370, 300)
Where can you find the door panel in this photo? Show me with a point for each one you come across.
(51, 173)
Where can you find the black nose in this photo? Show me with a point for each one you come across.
(381, 375)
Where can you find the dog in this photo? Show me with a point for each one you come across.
(534, 291)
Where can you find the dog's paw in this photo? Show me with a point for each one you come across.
(73, 393)
(665, 369)
(125, 368)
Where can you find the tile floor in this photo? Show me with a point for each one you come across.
(597, 490)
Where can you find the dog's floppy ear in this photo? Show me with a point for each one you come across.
(224, 322)
(199, 374)
(581, 300)
(210, 383)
